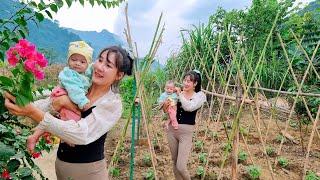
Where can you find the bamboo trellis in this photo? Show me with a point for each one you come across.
(222, 92)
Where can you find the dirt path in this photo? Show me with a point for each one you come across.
(292, 152)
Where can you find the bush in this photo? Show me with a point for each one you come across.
(270, 151)
(242, 157)
(227, 147)
(200, 171)
(149, 175)
(312, 176)
(279, 138)
(203, 158)
(213, 134)
(199, 145)
(114, 171)
(253, 171)
(147, 160)
(126, 89)
(15, 160)
(283, 162)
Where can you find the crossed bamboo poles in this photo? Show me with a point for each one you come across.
(224, 76)
(195, 57)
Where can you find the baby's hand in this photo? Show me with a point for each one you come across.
(86, 107)
(165, 106)
(178, 90)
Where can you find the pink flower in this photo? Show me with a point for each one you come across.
(38, 74)
(30, 65)
(41, 60)
(23, 43)
(13, 60)
(11, 55)
(26, 51)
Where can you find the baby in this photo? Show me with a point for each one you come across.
(170, 95)
(75, 81)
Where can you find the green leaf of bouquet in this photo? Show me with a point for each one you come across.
(1, 56)
(22, 33)
(13, 165)
(15, 72)
(6, 152)
(21, 100)
(5, 81)
(5, 45)
(25, 86)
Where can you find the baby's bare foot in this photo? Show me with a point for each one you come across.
(31, 143)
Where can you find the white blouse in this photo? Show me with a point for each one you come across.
(104, 116)
(194, 103)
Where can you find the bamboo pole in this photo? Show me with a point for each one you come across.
(235, 146)
(297, 84)
(285, 92)
(314, 127)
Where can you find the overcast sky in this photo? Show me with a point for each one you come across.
(143, 16)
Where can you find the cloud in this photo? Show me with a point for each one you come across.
(87, 18)
(177, 15)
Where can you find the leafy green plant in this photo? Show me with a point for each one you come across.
(114, 171)
(200, 171)
(199, 145)
(203, 158)
(244, 131)
(116, 158)
(242, 157)
(121, 148)
(270, 151)
(312, 176)
(149, 175)
(253, 171)
(147, 159)
(279, 138)
(214, 134)
(15, 161)
(283, 162)
(127, 95)
(227, 147)
(293, 124)
(311, 86)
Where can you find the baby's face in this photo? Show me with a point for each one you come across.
(169, 88)
(78, 63)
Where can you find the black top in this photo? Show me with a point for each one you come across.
(83, 153)
(185, 117)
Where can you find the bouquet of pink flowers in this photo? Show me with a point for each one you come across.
(27, 65)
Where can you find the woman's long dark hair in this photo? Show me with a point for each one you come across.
(124, 63)
(195, 78)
